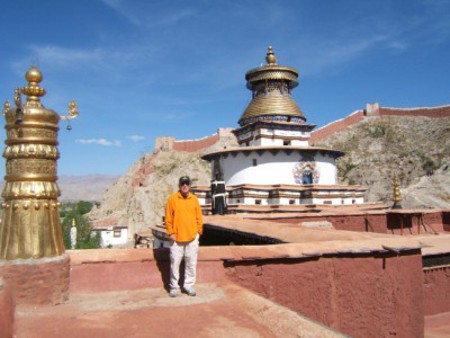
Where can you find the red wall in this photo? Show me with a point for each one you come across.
(358, 116)
(364, 296)
(6, 311)
(372, 296)
(42, 281)
(376, 222)
(195, 145)
(336, 126)
(443, 111)
(436, 290)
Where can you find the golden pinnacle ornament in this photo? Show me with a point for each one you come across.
(31, 226)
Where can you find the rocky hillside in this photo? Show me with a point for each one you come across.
(416, 148)
(138, 198)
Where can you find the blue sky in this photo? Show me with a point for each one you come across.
(143, 69)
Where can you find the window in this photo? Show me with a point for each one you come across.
(238, 201)
(255, 162)
(117, 233)
(286, 143)
(327, 202)
(291, 202)
(258, 202)
(307, 176)
(353, 201)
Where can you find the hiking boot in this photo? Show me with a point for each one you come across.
(173, 293)
(191, 292)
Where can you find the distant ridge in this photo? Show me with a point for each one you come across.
(83, 187)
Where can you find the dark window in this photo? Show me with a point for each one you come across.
(327, 202)
(307, 177)
(257, 201)
(117, 233)
(291, 201)
(286, 143)
(255, 162)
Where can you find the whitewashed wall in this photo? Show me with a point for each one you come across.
(273, 169)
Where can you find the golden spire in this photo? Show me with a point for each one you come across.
(271, 86)
(32, 90)
(397, 193)
(271, 59)
(31, 226)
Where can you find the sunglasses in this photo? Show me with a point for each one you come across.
(184, 183)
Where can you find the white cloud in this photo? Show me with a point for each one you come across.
(149, 14)
(136, 138)
(100, 141)
(100, 58)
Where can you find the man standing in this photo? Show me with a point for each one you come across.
(184, 226)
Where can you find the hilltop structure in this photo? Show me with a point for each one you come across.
(274, 163)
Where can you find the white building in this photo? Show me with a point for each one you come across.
(274, 163)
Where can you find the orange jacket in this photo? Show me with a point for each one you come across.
(183, 217)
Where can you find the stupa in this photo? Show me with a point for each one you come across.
(274, 163)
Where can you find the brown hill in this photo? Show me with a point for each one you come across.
(416, 147)
(138, 198)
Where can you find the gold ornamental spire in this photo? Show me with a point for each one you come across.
(31, 226)
(271, 87)
(397, 194)
(271, 59)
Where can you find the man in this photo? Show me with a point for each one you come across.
(184, 226)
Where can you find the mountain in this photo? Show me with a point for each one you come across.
(138, 198)
(83, 187)
(417, 148)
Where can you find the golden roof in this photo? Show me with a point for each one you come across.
(274, 103)
(271, 85)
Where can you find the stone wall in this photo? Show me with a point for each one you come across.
(336, 126)
(374, 109)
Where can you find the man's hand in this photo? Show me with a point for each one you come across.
(173, 237)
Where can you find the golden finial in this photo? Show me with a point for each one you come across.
(32, 90)
(6, 107)
(397, 193)
(271, 59)
(17, 98)
(73, 111)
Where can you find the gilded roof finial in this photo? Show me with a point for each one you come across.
(6, 107)
(397, 193)
(32, 90)
(271, 59)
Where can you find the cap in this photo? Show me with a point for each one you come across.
(184, 179)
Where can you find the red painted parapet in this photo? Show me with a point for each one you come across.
(39, 281)
(372, 295)
(435, 112)
(436, 290)
(336, 126)
(195, 145)
(6, 311)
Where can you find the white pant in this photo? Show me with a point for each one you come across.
(188, 250)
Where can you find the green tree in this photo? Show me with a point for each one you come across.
(74, 212)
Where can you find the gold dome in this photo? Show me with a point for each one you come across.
(33, 75)
(272, 104)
